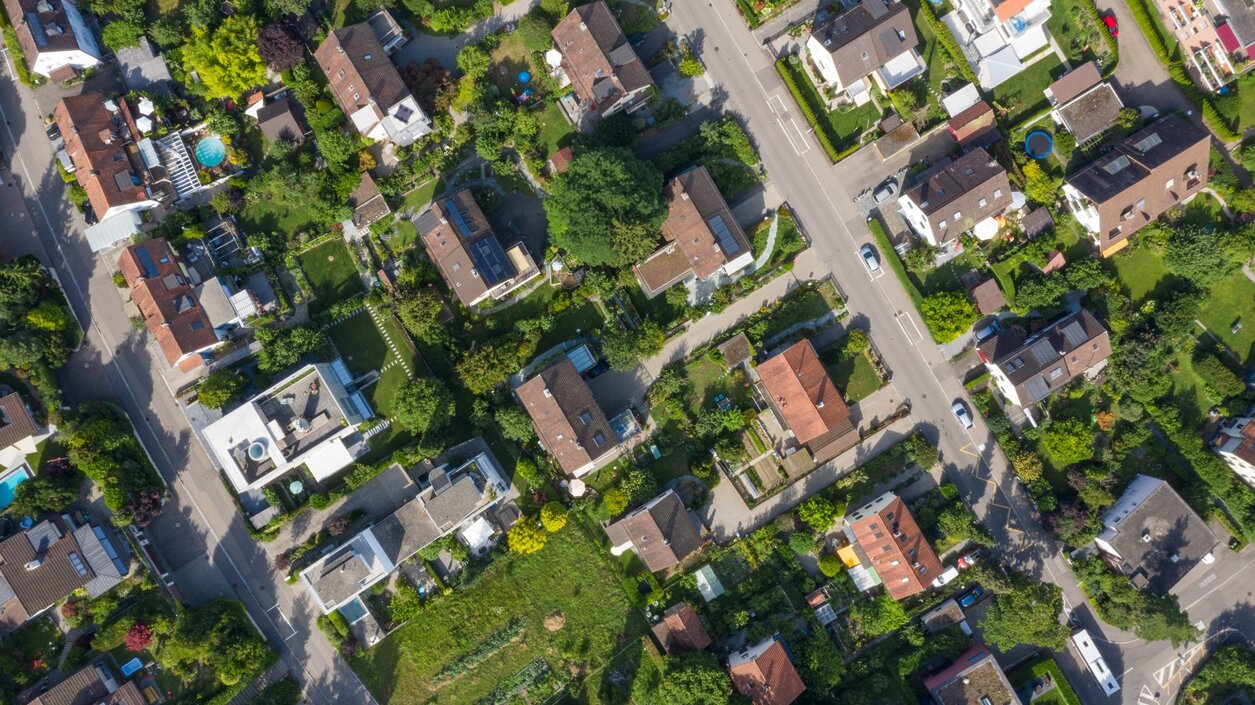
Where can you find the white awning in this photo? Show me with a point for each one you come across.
(111, 231)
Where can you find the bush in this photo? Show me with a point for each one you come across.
(802, 543)
(553, 516)
(818, 513)
(1068, 440)
(526, 537)
(830, 565)
(943, 35)
(219, 388)
(948, 315)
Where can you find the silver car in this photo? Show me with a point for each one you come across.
(869, 258)
(886, 190)
(961, 413)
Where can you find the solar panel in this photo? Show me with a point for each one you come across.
(727, 243)
(1074, 334)
(459, 220)
(77, 563)
(1043, 351)
(146, 262)
(1115, 166)
(489, 259)
(1037, 389)
(37, 29)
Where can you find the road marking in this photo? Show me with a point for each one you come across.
(783, 108)
(1204, 596)
(964, 449)
(1211, 578)
(287, 621)
(918, 336)
(787, 136)
(806, 145)
(1146, 697)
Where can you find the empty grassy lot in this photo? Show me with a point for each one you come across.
(332, 273)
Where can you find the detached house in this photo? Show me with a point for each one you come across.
(1026, 371)
(570, 424)
(41, 565)
(463, 246)
(806, 401)
(54, 37)
(168, 303)
(662, 532)
(99, 137)
(887, 547)
(91, 685)
(702, 239)
(1235, 442)
(1151, 171)
(594, 58)
(957, 196)
(997, 36)
(765, 674)
(874, 38)
(368, 88)
(974, 678)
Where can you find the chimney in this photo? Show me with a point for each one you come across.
(33, 564)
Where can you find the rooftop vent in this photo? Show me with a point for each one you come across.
(1146, 537)
(33, 564)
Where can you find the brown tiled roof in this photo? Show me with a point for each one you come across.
(663, 533)
(39, 586)
(16, 423)
(959, 186)
(973, 125)
(894, 545)
(736, 350)
(561, 159)
(20, 13)
(1074, 83)
(367, 202)
(278, 121)
(166, 300)
(866, 37)
(355, 64)
(596, 56)
(566, 416)
(681, 630)
(973, 679)
(695, 212)
(987, 296)
(96, 141)
(1051, 358)
(663, 269)
(769, 679)
(799, 388)
(450, 248)
(85, 687)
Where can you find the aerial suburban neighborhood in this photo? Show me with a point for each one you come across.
(627, 352)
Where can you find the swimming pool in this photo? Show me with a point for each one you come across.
(9, 483)
(353, 610)
(210, 151)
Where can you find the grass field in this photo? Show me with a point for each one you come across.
(1062, 693)
(360, 343)
(332, 274)
(855, 376)
(1022, 96)
(1141, 270)
(571, 576)
(262, 216)
(423, 194)
(555, 131)
(1232, 301)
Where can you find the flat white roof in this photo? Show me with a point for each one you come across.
(961, 100)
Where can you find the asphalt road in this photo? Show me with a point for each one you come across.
(200, 535)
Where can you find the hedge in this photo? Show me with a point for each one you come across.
(1112, 46)
(890, 255)
(808, 110)
(943, 35)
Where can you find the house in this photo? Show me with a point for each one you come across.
(1152, 536)
(570, 424)
(143, 68)
(680, 629)
(1084, 104)
(596, 61)
(55, 38)
(987, 296)
(309, 418)
(701, 238)
(1026, 371)
(968, 194)
(997, 36)
(974, 678)
(945, 615)
(368, 204)
(278, 122)
(661, 531)
(765, 674)
(174, 317)
(368, 88)
(976, 126)
(91, 685)
(890, 548)
(1151, 171)
(736, 351)
(42, 565)
(560, 160)
(1235, 442)
(469, 255)
(803, 396)
(872, 38)
(99, 137)
(1199, 40)
(388, 31)
(453, 502)
(1235, 24)
(20, 436)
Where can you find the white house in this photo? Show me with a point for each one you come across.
(998, 37)
(1235, 442)
(872, 39)
(54, 37)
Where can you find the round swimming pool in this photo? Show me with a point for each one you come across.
(210, 151)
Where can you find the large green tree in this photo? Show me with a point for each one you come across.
(219, 388)
(1068, 441)
(948, 314)
(1119, 604)
(226, 58)
(694, 679)
(423, 405)
(606, 208)
(1027, 614)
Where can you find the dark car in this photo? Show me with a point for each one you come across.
(54, 131)
(89, 215)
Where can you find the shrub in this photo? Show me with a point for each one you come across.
(553, 516)
(818, 513)
(526, 537)
(830, 565)
(948, 315)
(787, 73)
(943, 35)
(138, 637)
(802, 543)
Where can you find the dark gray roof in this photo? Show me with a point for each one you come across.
(103, 559)
(1027, 363)
(1240, 15)
(1036, 222)
(952, 180)
(340, 576)
(1174, 530)
(1134, 158)
(865, 37)
(404, 532)
(455, 502)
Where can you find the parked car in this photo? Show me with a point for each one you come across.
(946, 576)
(886, 190)
(89, 215)
(972, 597)
(54, 131)
(971, 558)
(869, 258)
(961, 413)
(1112, 25)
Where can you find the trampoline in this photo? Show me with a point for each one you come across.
(210, 152)
(1039, 144)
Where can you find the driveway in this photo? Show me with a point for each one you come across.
(1139, 78)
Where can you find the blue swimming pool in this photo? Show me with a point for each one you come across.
(353, 610)
(9, 483)
(210, 151)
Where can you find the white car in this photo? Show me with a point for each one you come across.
(869, 258)
(946, 576)
(961, 413)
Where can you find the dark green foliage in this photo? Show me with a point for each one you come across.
(284, 692)
(1229, 669)
(1068, 440)
(625, 348)
(693, 679)
(100, 442)
(1221, 380)
(424, 405)
(121, 34)
(217, 635)
(500, 125)
(879, 615)
(281, 349)
(515, 424)
(1121, 605)
(1026, 614)
(219, 388)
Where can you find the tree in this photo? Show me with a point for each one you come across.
(817, 513)
(821, 663)
(526, 536)
(690, 65)
(958, 524)
(215, 635)
(694, 679)
(1040, 186)
(279, 8)
(48, 316)
(515, 424)
(219, 388)
(168, 31)
(830, 564)
(625, 348)
(1220, 380)
(948, 315)
(500, 125)
(1027, 465)
(279, 48)
(227, 58)
(801, 543)
(405, 604)
(1068, 441)
(121, 34)
(488, 365)
(473, 61)
(553, 516)
(527, 474)
(1028, 614)
(606, 208)
(138, 637)
(879, 615)
(856, 342)
(283, 349)
(614, 501)
(41, 494)
(1121, 605)
(1198, 255)
(423, 405)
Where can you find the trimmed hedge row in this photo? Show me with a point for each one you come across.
(943, 35)
(1092, 10)
(808, 110)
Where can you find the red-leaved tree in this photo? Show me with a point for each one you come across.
(139, 637)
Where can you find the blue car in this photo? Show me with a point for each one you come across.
(972, 597)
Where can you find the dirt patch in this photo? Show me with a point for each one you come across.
(555, 621)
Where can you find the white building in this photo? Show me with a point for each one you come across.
(309, 419)
(1235, 442)
(998, 37)
(54, 37)
(874, 39)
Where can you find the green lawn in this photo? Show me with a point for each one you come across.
(506, 61)
(404, 236)
(802, 307)
(361, 345)
(332, 273)
(1066, 237)
(1062, 693)
(555, 131)
(262, 216)
(1141, 270)
(1022, 96)
(1076, 32)
(578, 319)
(422, 195)
(1239, 108)
(1232, 301)
(939, 66)
(572, 576)
(842, 128)
(709, 379)
(855, 376)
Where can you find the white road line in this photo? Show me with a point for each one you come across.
(1204, 596)
(788, 137)
(805, 142)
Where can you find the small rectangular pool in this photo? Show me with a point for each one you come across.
(9, 483)
(353, 610)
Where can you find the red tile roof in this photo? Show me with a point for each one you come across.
(895, 546)
(769, 678)
(96, 140)
(681, 629)
(16, 423)
(167, 302)
(800, 389)
(359, 72)
(596, 56)
(561, 159)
